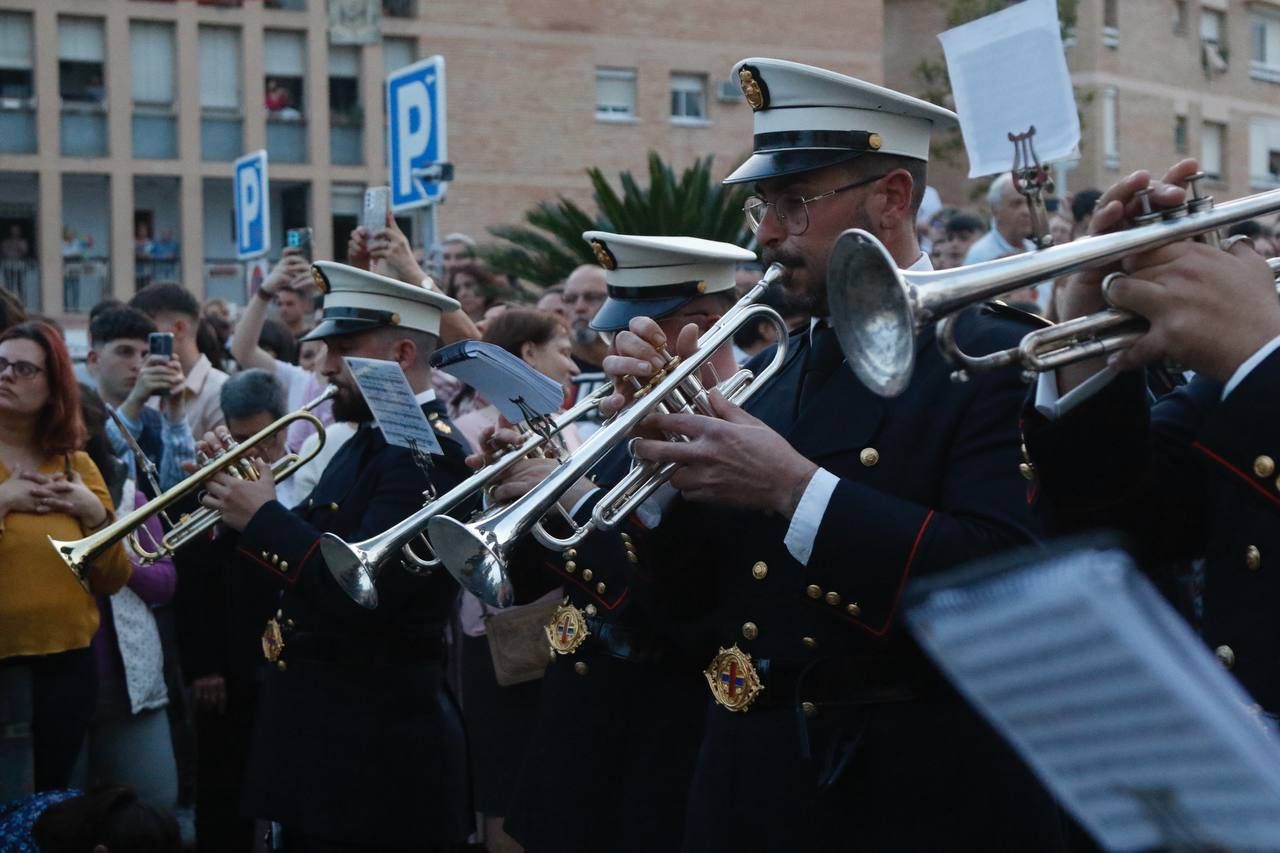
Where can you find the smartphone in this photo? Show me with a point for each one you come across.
(300, 237)
(160, 343)
(377, 200)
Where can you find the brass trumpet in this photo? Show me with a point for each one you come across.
(877, 319)
(476, 552)
(79, 553)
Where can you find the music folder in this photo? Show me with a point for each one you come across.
(1108, 695)
(519, 391)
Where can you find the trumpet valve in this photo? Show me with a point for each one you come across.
(1148, 215)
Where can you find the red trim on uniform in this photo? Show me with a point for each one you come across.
(1266, 493)
(590, 590)
(906, 573)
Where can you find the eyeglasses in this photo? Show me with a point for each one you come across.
(588, 297)
(793, 210)
(21, 369)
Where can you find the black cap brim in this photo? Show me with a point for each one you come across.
(777, 164)
(616, 314)
(332, 328)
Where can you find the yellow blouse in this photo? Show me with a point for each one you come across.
(43, 608)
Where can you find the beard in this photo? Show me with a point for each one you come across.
(809, 287)
(584, 335)
(349, 406)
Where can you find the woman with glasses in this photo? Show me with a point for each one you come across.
(48, 488)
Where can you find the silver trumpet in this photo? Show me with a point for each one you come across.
(877, 318)
(357, 567)
(477, 552)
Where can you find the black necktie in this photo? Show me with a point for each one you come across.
(820, 361)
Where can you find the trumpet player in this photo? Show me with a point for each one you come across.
(825, 726)
(358, 743)
(1194, 475)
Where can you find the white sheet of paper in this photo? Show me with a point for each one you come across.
(1106, 692)
(394, 407)
(1008, 72)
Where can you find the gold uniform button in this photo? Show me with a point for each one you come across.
(750, 631)
(587, 574)
(809, 709)
(600, 588)
(590, 610)
(626, 538)
(580, 667)
(284, 565)
(1264, 466)
(760, 570)
(571, 554)
(280, 665)
(813, 591)
(1027, 470)
(570, 567)
(809, 642)
(869, 456)
(333, 507)
(631, 557)
(1225, 656)
(833, 598)
(853, 610)
(1253, 558)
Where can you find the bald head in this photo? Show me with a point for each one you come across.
(584, 293)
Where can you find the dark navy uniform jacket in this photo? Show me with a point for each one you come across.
(855, 741)
(357, 737)
(1191, 476)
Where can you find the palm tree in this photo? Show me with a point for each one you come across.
(548, 245)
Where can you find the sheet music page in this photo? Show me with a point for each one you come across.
(1111, 699)
(394, 407)
(1009, 72)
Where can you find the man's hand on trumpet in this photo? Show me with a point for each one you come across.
(730, 457)
(237, 499)
(1209, 310)
(503, 438)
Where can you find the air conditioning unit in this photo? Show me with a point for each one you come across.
(729, 90)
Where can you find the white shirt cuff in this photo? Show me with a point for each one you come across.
(1253, 361)
(803, 532)
(1049, 404)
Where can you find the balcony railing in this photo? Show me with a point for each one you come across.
(21, 277)
(287, 140)
(155, 132)
(221, 135)
(84, 130)
(151, 270)
(84, 282)
(17, 126)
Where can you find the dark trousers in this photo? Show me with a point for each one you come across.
(303, 844)
(55, 696)
(222, 751)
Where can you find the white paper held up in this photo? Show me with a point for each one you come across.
(392, 402)
(1009, 73)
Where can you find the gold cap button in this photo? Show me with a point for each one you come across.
(833, 598)
(869, 456)
(809, 642)
(1226, 656)
(572, 567)
(580, 667)
(1253, 558)
(600, 588)
(809, 709)
(1264, 466)
(750, 631)
(586, 574)
(813, 591)
(590, 610)
(853, 609)
(759, 570)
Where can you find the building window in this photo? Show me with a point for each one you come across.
(151, 58)
(1264, 153)
(689, 98)
(1180, 134)
(1264, 39)
(220, 94)
(1111, 127)
(400, 8)
(346, 118)
(396, 54)
(285, 55)
(616, 94)
(1213, 145)
(1213, 44)
(81, 72)
(1111, 23)
(1179, 17)
(17, 89)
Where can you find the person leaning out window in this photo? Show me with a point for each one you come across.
(48, 488)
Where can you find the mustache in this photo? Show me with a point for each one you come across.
(790, 260)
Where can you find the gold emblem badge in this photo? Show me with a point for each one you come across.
(734, 682)
(753, 88)
(567, 629)
(320, 280)
(603, 255)
(272, 640)
(441, 427)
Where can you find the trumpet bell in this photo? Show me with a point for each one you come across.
(871, 312)
(351, 569)
(476, 559)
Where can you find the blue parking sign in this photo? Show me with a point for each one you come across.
(253, 206)
(416, 138)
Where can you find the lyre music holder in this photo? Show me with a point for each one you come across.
(1031, 180)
